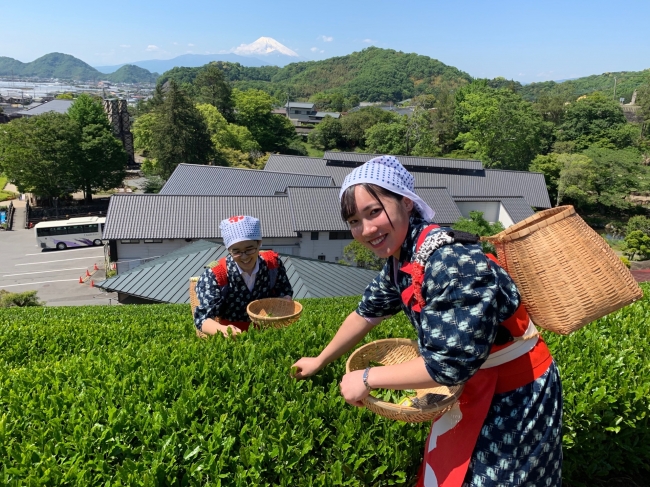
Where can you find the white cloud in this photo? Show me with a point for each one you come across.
(125, 45)
(152, 47)
(326, 38)
(322, 52)
(190, 45)
(368, 41)
(314, 49)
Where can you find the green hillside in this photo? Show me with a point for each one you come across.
(65, 66)
(372, 74)
(131, 74)
(626, 83)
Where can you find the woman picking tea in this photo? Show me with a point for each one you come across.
(246, 274)
(505, 428)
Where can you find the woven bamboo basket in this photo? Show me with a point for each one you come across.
(194, 302)
(566, 273)
(394, 351)
(274, 312)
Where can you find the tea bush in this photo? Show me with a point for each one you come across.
(127, 395)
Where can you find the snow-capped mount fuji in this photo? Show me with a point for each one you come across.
(267, 47)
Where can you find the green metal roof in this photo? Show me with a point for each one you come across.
(166, 279)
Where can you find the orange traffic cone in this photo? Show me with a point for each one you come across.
(81, 281)
(96, 268)
(87, 273)
(92, 283)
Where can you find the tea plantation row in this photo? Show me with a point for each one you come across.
(127, 395)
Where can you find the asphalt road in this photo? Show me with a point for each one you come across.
(53, 273)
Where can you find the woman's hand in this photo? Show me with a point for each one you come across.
(230, 330)
(306, 366)
(353, 389)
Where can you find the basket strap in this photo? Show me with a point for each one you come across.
(520, 346)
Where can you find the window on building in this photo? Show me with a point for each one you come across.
(321, 257)
(152, 240)
(346, 235)
(314, 235)
(129, 241)
(297, 112)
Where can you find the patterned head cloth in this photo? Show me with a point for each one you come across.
(239, 228)
(388, 173)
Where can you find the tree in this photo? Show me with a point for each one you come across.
(498, 126)
(551, 166)
(361, 256)
(637, 243)
(102, 160)
(576, 182)
(37, 154)
(253, 110)
(638, 223)
(355, 124)
(179, 133)
(143, 132)
(328, 134)
(478, 225)
(387, 138)
(594, 119)
(213, 89)
(64, 96)
(227, 135)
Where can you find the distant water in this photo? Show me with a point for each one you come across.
(28, 89)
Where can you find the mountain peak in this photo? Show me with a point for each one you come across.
(264, 46)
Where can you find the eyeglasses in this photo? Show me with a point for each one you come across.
(245, 252)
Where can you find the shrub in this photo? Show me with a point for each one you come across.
(127, 395)
(626, 261)
(10, 300)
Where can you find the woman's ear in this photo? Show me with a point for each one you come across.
(408, 204)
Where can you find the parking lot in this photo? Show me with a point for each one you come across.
(54, 273)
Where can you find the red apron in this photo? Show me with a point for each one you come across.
(450, 444)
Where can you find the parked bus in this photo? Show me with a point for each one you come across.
(75, 232)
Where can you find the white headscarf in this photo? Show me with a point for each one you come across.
(239, 228)
(388, 173)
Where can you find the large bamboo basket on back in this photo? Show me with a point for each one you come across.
(566, 273)
(395, 351)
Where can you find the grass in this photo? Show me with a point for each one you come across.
(313, 151)
(5, 195)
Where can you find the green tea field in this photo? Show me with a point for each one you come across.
(127, 395)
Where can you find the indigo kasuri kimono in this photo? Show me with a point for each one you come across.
(224, 296)
(505, 430)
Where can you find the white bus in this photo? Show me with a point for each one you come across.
(75, 232)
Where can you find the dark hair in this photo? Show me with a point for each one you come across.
(349, 202)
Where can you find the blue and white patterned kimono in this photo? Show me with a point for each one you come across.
(466, 300)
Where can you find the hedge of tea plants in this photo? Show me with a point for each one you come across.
(127, 395)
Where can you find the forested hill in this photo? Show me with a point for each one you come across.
(626, 83)
(130, 73)
(372, 74)
(65, 66)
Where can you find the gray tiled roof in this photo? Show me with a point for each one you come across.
(319, 210)
(331, 114)
(517, 208)
(172, 216)
(489, 182)
(297, 104)
(167, 279)
(58, 106)
(424, 162)
(192, 179)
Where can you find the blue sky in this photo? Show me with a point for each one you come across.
(525, 40)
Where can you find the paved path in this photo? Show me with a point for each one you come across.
(54, 274)
(641, 276)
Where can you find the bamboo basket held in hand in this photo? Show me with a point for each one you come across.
(395, 351)
(566, 273)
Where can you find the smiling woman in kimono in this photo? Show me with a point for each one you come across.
(246, 274)
(505, 430)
